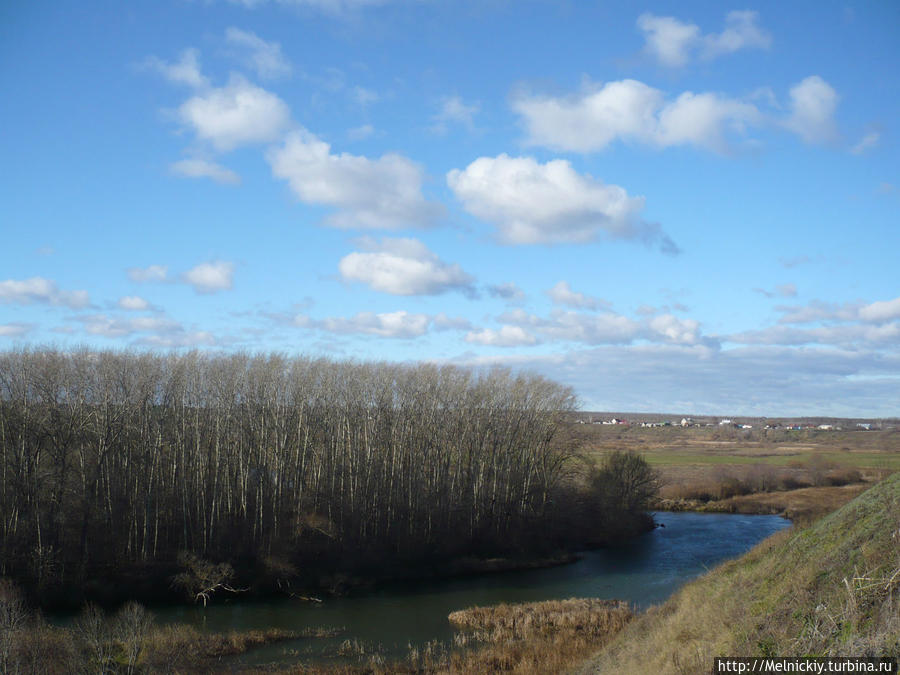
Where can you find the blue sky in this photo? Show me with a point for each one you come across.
(686, 207)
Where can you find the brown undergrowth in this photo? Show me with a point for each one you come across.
(525, 639)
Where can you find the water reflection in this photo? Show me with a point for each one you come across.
(644, 571)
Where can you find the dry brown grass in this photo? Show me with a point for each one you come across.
(526, 639)
(829, 589)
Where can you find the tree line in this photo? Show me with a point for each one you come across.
(113, 459)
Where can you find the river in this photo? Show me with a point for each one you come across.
(644, 571)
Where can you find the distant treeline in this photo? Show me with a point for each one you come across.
(112, 460)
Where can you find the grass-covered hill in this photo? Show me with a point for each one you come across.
(831, 589)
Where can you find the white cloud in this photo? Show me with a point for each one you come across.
(186, 71)
(562, 294)
(239, 113)
(403, 267)
(401, 324)
(113, 327)
(133, 303)
(632, 111)
(852, 336)
(361, 132)
(507, 291)
(363, 96)
(40, 290)
(157, 331)
(673, 42)
(866, 143)
(14, 330)
(607, 328)
(533, 203)
(374, 194)
(211, 277)
(675, 330)
(882, 310)
(179, 339)
(443, 322)
(668, 39)
(817, 310)
(454, 110)
(146, 274)
(782, 291)
(741, 32)
(507, 336)
(704, 120)
(771, 381)
(813, 102)
(265, 57)
(201, 168)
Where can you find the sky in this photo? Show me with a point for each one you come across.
(671, 207)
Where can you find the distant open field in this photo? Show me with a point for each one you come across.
(677, 446)
(800, 474)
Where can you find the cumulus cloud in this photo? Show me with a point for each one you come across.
(507, 336)
(754, 380)
(673, 42)
(533, 203)
(186, 71)
(817, 310)
(14, 330)
(133, 303)
(883, 310)
(675, 330)
(849, 324)
(361, 132)
(403, 267)
(400, 324)
(385, 193)
(240, 113)
(173, 340)
(147, 274)
(453, 110)
(845, 335)
(562, 294)
(812, 106)
(741, 32)
(780, 291)
(668, 39)
(114, 327)
(201, 168)
(507, 291)
(609, 328)
(41, 291)
(442, 322)
(631, 111)
(211, 277)
(157, 331)
(606, 328)
(265, 57)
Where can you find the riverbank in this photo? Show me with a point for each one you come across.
(801, 506)
(829, 589)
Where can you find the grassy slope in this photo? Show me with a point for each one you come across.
(832, 588)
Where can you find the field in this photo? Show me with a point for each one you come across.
(801, 474)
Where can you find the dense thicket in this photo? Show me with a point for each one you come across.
(111, 458)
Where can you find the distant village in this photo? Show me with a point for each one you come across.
(847, 425)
